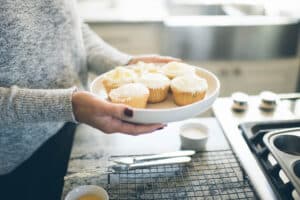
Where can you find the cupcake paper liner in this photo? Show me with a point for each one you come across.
(158, 94)
(185, 98)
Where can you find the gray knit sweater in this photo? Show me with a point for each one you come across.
(45, 51)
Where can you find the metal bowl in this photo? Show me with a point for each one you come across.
(288, 144)
(297, 168)
(284, 147)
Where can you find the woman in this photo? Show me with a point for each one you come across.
(45, 53)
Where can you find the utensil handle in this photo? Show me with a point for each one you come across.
(165, 155)
(290, 96)
(176, 160)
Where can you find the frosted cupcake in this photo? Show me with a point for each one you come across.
(131, 94)
(188, 89)
(174, 69)
(118, 77)
(158, 86)
(141, 68)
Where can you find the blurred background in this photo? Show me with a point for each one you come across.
(250, 45)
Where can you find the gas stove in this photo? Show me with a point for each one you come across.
(245, 121)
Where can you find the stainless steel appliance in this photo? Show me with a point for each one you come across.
(228, 30)
(245, 130)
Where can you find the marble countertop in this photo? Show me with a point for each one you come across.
(89, 161)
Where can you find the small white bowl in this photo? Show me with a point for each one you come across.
(193, 136)
(87, 190)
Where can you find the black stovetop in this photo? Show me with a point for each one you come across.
(253, 133)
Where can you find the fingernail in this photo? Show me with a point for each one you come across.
(160, 128)
(128, 112)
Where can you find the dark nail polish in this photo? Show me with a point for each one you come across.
(128, 112)
(160, 128)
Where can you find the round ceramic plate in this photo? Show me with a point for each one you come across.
(168, 111)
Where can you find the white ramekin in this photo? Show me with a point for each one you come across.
(193, 143)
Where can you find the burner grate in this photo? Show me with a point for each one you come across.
(210, 175)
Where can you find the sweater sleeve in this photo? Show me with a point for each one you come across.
(18, 105)
(101, 57)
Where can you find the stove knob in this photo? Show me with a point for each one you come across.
(240, 101)
(268, 100)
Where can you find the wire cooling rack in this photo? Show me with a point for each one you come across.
(210, 175)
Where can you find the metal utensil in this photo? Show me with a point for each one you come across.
(137, 159)
(140, 165)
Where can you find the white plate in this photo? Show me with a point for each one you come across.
(168, 111)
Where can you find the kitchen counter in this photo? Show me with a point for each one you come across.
(91, 149)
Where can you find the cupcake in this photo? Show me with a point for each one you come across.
(117, 77)
(174, 69)
(141, 68)
(188, 89)
(158, 86)
(131, 94)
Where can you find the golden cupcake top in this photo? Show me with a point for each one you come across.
(154, 80)
(189, 83)
(174, 69)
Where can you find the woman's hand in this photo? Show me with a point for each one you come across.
(106, 116)
(152, 59)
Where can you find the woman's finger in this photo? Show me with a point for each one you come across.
(134, 129)
(113, 125)
(162, 59)
(115, 110)
(153, 59)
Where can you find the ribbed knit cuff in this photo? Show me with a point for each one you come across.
(43, 105)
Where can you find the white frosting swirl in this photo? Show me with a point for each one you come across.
(154, 80)
(129, 90)
(178, 69)
(189, 83)
(121, 74)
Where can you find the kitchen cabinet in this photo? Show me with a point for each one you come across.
(132, 38)
(252, 77)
